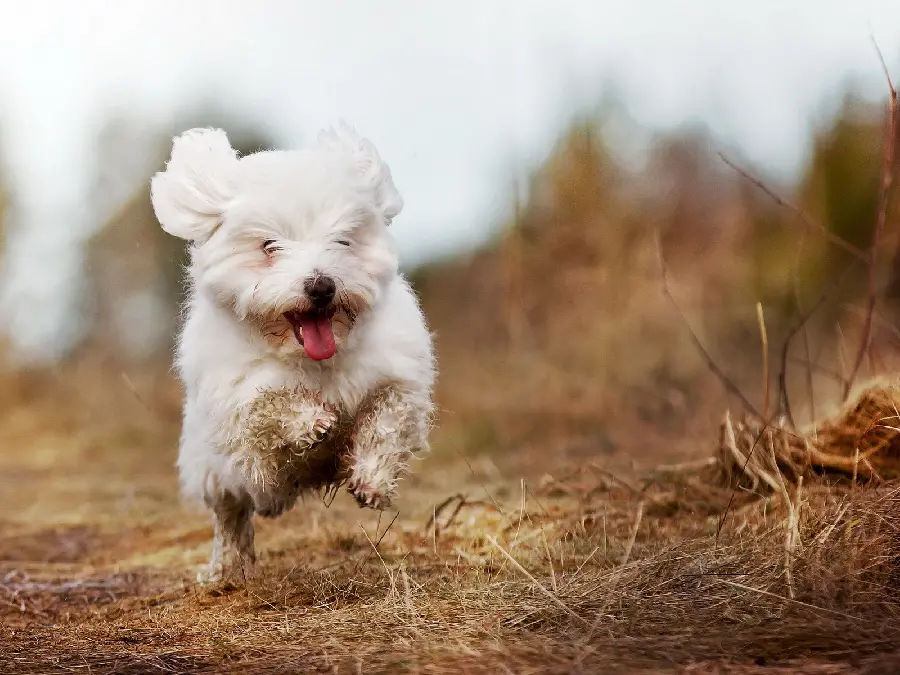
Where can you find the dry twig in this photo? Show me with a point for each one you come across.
(800, 213)
(887, 179)
(637, 525)
(711, 364)
(555, 600)
(764, 340)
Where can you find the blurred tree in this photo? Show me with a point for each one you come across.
(842, 182)
(577, 189)
(576, 221)
(689, 190)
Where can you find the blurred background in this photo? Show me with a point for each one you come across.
(543, 149)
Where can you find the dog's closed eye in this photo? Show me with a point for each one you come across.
(343, 242)
(269, 246)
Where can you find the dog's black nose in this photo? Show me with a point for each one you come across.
(321, 290)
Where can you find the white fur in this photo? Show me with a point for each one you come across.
(229, 352)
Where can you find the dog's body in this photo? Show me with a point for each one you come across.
(305, 358)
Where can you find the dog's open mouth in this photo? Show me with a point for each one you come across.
(313, 330)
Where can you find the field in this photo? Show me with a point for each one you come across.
(596, 500)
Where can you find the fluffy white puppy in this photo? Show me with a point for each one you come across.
(305, 358)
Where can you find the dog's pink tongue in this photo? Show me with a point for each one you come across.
(318, 338)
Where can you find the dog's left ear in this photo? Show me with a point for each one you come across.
(373, 171)
(189, 197)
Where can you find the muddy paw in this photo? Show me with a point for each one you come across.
(366, 495)
(325, 420)
(307, 427)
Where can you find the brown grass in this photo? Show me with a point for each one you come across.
(861, 442)
(577, 570)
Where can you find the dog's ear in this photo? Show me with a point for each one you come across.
(373, 171)
(189, 197)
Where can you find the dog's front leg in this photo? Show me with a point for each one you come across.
(389, 429)
(233, 555)
(276, 432)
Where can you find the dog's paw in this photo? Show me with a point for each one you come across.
(324, 421)
(308, 426)
(233, 571)
(368, 495)
(210, 575)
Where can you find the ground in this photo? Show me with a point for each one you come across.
(542, 561)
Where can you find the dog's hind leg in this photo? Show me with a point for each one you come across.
(233, 554)
(390, 427)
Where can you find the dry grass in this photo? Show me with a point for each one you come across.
(579, 570)
(860, 442)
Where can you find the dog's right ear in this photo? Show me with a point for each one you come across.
(189, 197)
(375, 173)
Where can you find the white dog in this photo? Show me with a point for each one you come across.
(305, 357)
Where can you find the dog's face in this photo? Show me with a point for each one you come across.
(295, 243)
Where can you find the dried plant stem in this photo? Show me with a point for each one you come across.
(730, 386)
(842, 354)
(732, 444)
(515, 312)
(800, 213)
(374, 546)
(634, 530)
(764, 340)
(407, 593)
(760, 591)
(515, 563)
(887, 180)
(801, 324)
(810, 390)
(792, 536)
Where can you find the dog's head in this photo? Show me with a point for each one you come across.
(295, 243)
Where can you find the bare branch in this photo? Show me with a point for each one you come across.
(800, 213)
(887, 73)
(718, 372)
(764, 340)
(800, 325)
(729, 429)
(887, 180)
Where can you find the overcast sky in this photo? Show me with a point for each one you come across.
(454, 94)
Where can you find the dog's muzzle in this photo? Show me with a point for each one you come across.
(312, 327)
